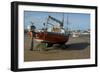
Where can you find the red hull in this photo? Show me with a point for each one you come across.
(51, 37)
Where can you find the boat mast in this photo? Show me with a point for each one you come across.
(62, 21)
(68, 30)
(67, 22)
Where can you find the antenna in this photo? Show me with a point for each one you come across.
(32, 23)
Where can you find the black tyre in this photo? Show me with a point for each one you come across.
(49, 45)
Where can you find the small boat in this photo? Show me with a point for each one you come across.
(55, 35)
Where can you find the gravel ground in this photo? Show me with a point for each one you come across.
(75, 48)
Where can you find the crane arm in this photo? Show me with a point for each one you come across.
(61, 23)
